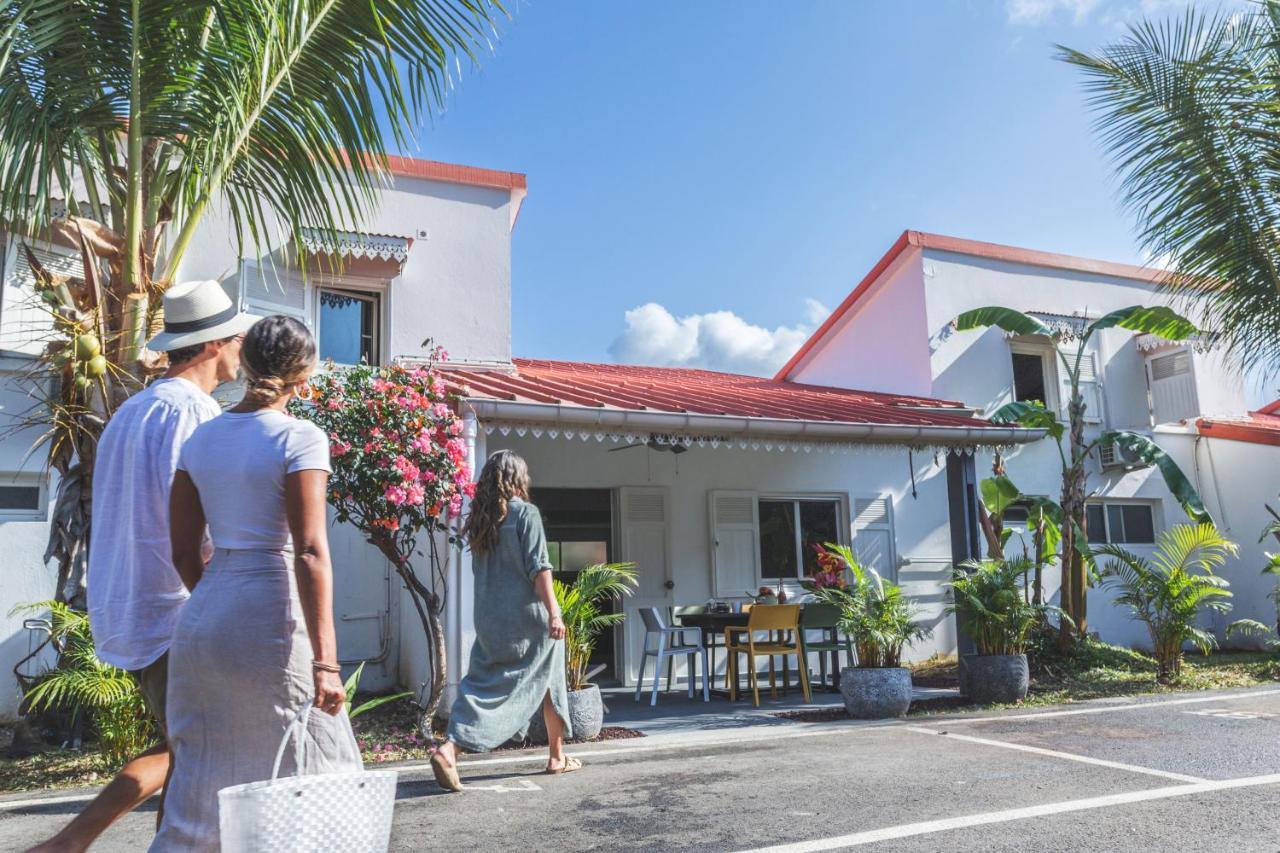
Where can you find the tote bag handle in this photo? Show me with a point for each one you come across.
(297, 728)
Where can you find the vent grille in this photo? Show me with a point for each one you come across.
(1169, 366)
(647, 507)
(735, 509)
(871, 511)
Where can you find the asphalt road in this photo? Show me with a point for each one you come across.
(1190, 772)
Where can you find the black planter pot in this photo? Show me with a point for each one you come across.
(995, 679)
(876, 694)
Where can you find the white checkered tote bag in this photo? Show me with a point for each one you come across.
(323, 813)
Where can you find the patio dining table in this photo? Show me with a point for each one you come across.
(712, 625)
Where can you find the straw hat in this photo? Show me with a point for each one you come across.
(196, 312)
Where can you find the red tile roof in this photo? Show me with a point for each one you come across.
(702, 392)
(974, 248)
(451, 173)
(1261, 427)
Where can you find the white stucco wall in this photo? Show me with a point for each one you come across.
(877, 347)
(26, 578)
(455, 286)
(1237, 481)
(921, 529)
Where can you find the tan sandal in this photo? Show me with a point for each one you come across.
(446, 776)
(570, 764)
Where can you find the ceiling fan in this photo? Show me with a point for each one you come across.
(653, 444)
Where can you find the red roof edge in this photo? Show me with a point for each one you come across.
(452, 173)
(1272, 408)
(973, 248)
(1263, 427)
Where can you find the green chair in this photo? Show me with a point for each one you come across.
(825, 618)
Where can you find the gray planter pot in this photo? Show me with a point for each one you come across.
(992, 679)
(875, 694)
(586, 715)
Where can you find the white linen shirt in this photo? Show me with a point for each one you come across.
(135, 594)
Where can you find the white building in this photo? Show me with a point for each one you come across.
(713, 484)
(894, 333)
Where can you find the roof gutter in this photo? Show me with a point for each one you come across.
(727, 425)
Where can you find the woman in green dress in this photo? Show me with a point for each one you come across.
(517, 661)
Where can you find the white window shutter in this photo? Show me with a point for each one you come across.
(735, 543)
(873, 539)
(266, 290)
(1173, 387)
(1090, 384)
(25, 324)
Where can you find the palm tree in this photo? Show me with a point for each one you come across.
(1188, 108)
(582, 608)
(1160, 321)
(1170, 591)
(143, 116)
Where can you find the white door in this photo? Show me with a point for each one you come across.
(735, 543)
(1173, 387)
(644, 539)
(363, 584)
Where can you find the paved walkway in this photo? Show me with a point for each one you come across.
(1190, 772)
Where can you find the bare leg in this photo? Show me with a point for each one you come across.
(555, 733)
(135, 782)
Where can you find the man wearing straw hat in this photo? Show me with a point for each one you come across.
(135, 594)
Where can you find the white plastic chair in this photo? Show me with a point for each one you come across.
(671, 643)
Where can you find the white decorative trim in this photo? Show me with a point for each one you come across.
(1150, 343)
(767, 445)
(351, 244)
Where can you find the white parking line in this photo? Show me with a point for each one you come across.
(907, 830)
(1051, 753)
(1101, 709)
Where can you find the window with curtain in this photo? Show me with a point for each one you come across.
(349, 322)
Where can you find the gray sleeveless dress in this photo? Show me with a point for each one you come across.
(514, 662)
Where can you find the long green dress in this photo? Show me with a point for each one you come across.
(514, 661)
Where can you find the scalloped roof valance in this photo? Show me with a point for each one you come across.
(351, 244)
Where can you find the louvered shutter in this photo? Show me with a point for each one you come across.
(266, 290)
(1173, 387)
(873, 533)
(735, 543)
(1090, 384)
(25, 324)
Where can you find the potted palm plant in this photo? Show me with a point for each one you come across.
(991, 605)
(879, 619)
(582, 606)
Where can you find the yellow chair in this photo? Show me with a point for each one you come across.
(780, 623)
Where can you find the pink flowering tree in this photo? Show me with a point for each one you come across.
(400, 474)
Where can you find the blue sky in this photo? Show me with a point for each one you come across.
(724, 171)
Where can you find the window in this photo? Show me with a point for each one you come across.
(1029, 378)
(1121, 524)
(21, 497)
(349, 322)
(789, 528)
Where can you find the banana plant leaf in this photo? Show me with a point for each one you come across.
(1158, 320)
(1011, 321)
(998, 493)
(1032, 415)
(1042, 508)
(1151, 453)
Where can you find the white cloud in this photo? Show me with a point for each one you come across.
(1035, 12)
(717, 340)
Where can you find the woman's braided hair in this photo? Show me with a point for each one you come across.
(278, 352)
(505, 476)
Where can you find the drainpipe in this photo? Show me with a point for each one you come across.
(460, 630)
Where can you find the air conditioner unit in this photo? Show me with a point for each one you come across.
(1115, 456)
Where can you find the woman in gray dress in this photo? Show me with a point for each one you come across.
(255, 643)
(517, 661)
